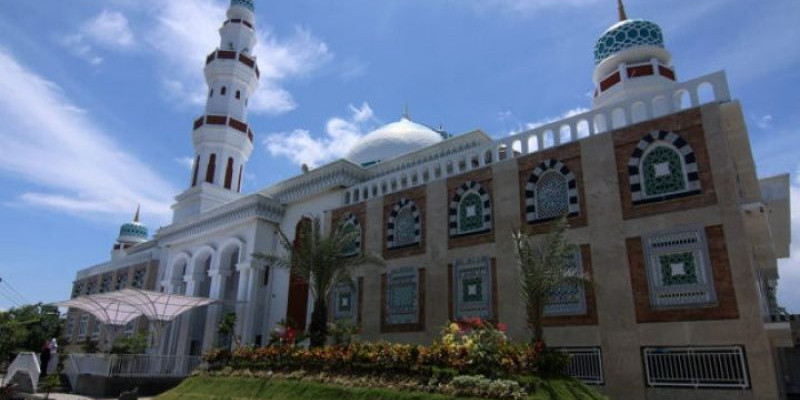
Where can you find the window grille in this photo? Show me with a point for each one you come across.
(585, 364)
(697, 367)
(679, 269)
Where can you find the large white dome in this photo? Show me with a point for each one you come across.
(392, 140)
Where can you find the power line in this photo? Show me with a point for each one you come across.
(13, 291)
(9, 295)
(14, 303)
(16, 292)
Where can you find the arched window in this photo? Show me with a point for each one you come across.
(663, 166)
(404, 227)
(223, 91)
(551, 191)
(211, 93)
(229, 173)
(351, 227)
(238, 94)
(194, 173)
(212, 166)
(470, 210)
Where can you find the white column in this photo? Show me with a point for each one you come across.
(181, 338)
(218, 278)
(243, 302)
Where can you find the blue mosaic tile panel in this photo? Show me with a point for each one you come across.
(402, 296)
(472, 289)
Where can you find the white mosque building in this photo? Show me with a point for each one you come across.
(679, 235)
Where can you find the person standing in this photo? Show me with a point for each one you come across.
(53, 364)
(44, 357)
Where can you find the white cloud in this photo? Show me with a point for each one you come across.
(108, 29)
(186, 32)
(341, 134)
(73, 164)
(187, 162)
(765, 122)
(529, 6)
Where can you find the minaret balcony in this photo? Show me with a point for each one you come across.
(633, 71)
(232, 55)
(224, 120)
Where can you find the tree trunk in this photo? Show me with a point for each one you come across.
(537, 312)
(318, 330)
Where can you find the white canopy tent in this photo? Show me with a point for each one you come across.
(116, 309)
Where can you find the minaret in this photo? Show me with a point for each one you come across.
(222, 138)
(631, 60)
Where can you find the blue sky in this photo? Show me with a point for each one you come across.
(97, 97)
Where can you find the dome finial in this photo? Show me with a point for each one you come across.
(136, 216)
(406, 115)
(621, 10)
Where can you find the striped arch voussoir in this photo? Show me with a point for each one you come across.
(486, 201)
(403, 203)
(531, 192)
(654, 138)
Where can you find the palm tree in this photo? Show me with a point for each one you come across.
(322, 261)
(542, 263)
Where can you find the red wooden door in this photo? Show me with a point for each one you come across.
(298, 302)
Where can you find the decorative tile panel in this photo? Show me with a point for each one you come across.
(550, 192)
(663, 166)
(351, 224)
(402, 296)
(568, 298)
(472, 288)
(470, 210)
(345, 299)
(404, 226)
(679, 269)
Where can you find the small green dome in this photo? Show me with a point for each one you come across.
(626, 34)
(133, 232)
(248, 4)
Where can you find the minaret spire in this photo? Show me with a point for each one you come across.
(621, 10)
(136, 216)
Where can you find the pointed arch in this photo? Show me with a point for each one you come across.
(229, 173)
(404, 227)
(551, 191)
(350, 223)
(663, 166)
(211, 169)
(470, 210)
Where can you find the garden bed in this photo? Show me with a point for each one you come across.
(204, 387)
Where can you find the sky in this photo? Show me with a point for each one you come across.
(97, 98)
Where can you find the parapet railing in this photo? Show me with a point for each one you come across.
(680, 96)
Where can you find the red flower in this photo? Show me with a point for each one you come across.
(502, 327)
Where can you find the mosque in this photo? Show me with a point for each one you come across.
(678, 234)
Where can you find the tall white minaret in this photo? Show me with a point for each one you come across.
(222, 137)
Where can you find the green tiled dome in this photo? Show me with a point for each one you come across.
(133, 231)
(627, 34)
(244, 3)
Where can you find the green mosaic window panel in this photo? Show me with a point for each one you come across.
(105, 285)
(404, 230)
(663, 172)
(344, 303)
(678, 269)
(470, 213)
(352, 245)
(402, 294)
(77, 290)
(122, 280)
(627, 34)
(472, 290)
(568, 298)
(552, 196)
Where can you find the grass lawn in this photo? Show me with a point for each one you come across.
(234, 388)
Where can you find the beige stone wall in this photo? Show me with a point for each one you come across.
(608, 226)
